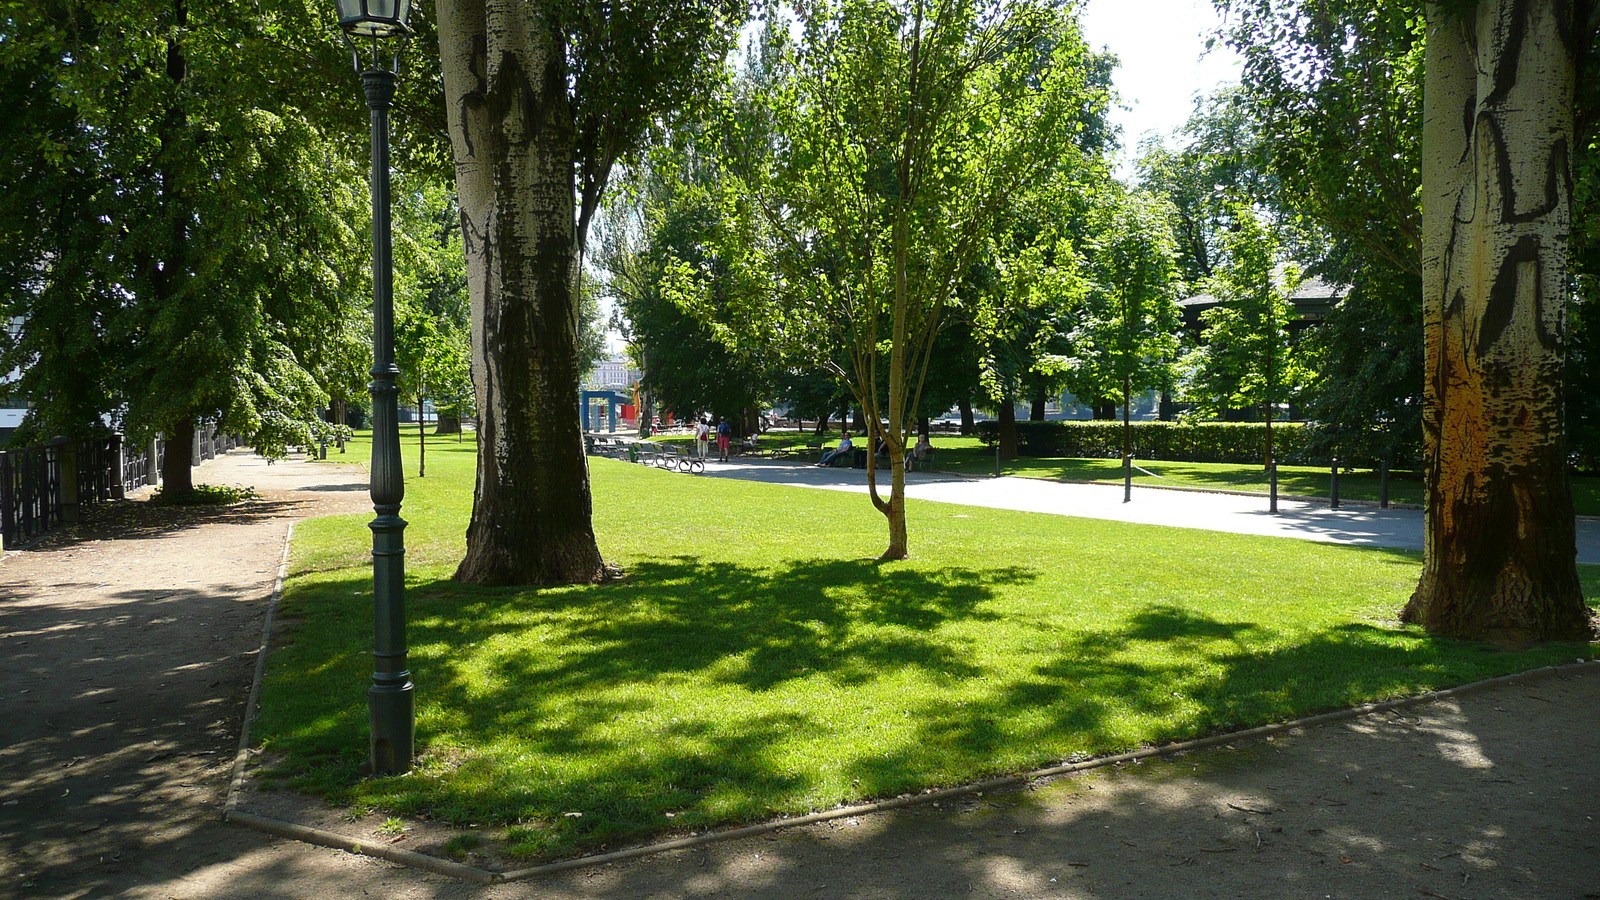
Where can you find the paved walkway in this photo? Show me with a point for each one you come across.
(128, 648)
(1239, 514)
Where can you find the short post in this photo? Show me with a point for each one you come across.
(1127, 477)
(152, 462)
(1333, 486)
(997, 459)
(1383, 483)
(322, 448)
(1272, 477)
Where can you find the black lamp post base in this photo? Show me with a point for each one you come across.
(393, 728)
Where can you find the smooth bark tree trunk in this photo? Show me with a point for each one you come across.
(177, 471)
(512, 134)
(1041, 398)
(969, 422)
(1500, 544)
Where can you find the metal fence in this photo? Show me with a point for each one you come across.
(30, 491)
(45, 485)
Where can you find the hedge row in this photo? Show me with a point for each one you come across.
(1225, 442)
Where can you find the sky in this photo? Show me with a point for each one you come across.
(1161, 45)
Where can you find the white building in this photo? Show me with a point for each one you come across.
(616, 373)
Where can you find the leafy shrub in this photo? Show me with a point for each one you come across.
(1224, 442)
(207, 495)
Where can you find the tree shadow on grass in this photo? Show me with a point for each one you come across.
(538, 705)
(555, 670)
(1089, 697)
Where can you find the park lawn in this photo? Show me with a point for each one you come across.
(756, 661)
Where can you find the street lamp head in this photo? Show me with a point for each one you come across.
(371, 22)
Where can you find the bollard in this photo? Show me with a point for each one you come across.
(997, 459)
(1383, 483)
(1127, 477)
(1272, 475)
(1333, 486)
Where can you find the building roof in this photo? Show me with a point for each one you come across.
(1311, 301)
(1311, 292)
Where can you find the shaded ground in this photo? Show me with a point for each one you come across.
(129, 642)
(129, 660)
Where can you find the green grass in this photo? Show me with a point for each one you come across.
(757, 661)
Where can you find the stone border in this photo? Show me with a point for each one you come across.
(324, 838)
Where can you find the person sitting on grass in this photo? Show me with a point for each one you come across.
(843, 449)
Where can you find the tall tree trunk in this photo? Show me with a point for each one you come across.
(969, 422)
(1127, 419)
(422, 442)
(447, 423)
(1008, 428)
(339, 420)
(512, 133)
(1500, 545)
(177, 472)
(1041, 398)
(1105, 409)
(899, 390)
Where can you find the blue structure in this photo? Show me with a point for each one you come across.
(586, 408)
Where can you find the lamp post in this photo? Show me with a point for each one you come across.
(368, 26)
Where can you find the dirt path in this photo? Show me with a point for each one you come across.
(128, 643)
(127, 660)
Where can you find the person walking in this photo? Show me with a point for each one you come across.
(702, 437)
(724, 437)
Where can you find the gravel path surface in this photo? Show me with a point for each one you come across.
(128, 646)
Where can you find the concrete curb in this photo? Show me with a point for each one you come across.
(252, 705)
(324, 838)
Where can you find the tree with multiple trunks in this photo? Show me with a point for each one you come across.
(898, 133)
(543, 98)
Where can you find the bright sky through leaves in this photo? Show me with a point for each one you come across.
(1164, 62)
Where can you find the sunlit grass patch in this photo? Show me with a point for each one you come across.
(757, 661)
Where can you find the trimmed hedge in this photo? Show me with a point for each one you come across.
(1224, 442)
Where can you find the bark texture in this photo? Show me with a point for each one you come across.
(512, 133)
(1500, 541)
(177, 463)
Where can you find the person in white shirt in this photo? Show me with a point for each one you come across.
(702, 439)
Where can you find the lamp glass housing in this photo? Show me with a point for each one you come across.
(375, 18)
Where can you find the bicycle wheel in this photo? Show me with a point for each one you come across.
(697, 466)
